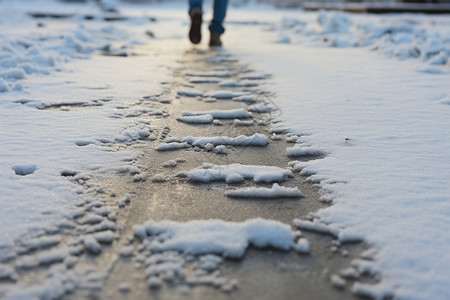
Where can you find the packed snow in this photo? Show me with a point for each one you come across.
(216, 236)
(276, 191)
(256, 139)
(370, 93)
(366, 92)
(197, 119)
(221, 114)
(237, 173)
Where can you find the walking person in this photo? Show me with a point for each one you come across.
(216, 28)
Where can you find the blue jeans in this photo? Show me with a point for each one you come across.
(220, 10)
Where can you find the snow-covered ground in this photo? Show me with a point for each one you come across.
(372, 92)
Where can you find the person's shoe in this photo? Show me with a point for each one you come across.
(195, 33)
(215, 41)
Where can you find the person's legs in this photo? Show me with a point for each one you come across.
(193, 4)
(220, 10)
(195, 12)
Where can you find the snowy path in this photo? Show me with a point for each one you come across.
(94, 250)
(127, 151)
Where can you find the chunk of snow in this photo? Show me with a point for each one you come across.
(14, 73)
(210, 172)
(124, 287)
(302, 246)
(229, 83)
(221, 149)
(229, 239)
(238, 122)
(222, 114)
(276, 191)
(7, 272)
(373, 291)
(209, 74)
(256, 139)
(91, 244)
(170, 164)
(159, 178)
(223, 94)
(197, 119)
(315, 226)
(245, 98)
(172, 146)
(105, 237)
(303, 151)
(4, 87)
(337, 281)
(189, 93)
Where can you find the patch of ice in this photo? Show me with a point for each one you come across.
(218, 237)
(276, 191)
(159, 178)
(210, 173)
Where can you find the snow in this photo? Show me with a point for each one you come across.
(238, 122)
(218, 74)
(228, 239)
(197, 119)
(189, 93)
(353, 87)
(276, 191)
(369, 92)
(302, 246)
(222, 114)
(238, 173)
(222, 94)
(172, 146)
(337, 281)
(256, 139)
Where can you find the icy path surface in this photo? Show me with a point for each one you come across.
(385, 126)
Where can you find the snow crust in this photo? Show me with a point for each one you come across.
(222, 114)
(236, 173)
(256, 139)
(276, 191)
(228, 239)
(381, 119)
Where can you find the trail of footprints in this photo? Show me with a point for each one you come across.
(59, 257)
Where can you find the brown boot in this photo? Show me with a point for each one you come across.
(215, 39)
(195, 33)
